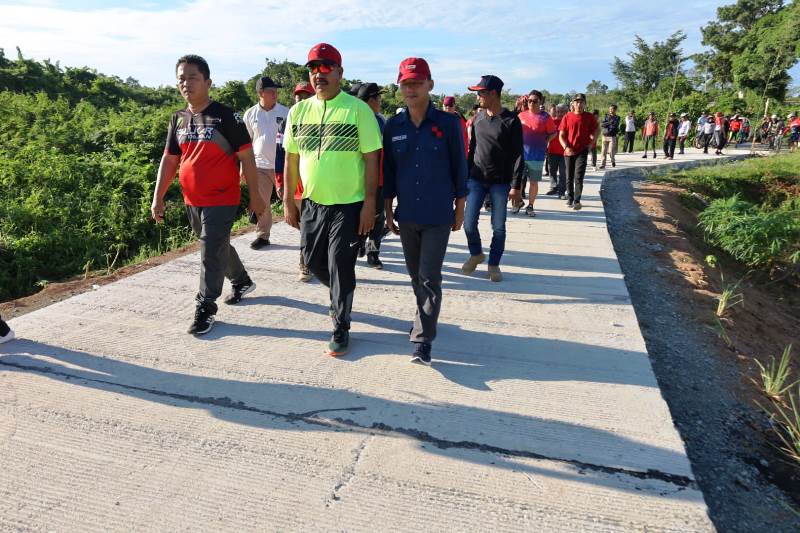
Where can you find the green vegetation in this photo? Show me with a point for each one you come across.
(754, 209)
(786, 424)
(774, 376)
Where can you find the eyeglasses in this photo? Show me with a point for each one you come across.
(324, 67)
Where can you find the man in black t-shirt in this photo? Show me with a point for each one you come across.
(205, 143)
(496, 167)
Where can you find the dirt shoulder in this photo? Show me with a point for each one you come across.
(706, 383)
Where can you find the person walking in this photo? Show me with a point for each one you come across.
(649, 133)
(630, 132)
(597, 135)
(610, 130)
(496, 167)
(301, 92)
(370, 93)
(683, 131)
(721, 126)
(333, 144)
(205, 144)
(264, 122)
(6, 333)
(538, 129)
(670, 136)
(708, 132)
(557, 169)
(576, 133)
(425, 168)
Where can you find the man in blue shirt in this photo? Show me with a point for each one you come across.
(425, 168)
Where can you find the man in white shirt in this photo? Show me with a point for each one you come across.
(683, 130)
(264, 122)
(630, 132)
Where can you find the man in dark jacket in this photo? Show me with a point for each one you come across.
(610, 128)
(496, 168)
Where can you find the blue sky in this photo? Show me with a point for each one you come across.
(526, 44)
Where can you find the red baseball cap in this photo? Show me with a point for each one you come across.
(324, 52)
(449, 100)
(303, 88)
(414, 68)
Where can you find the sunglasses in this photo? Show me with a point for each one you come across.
(324, 67)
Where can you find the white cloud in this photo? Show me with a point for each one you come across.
(521, 42)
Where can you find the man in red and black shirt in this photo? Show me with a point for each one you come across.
(577, 133)
(205, 143)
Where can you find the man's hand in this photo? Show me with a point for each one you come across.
(157, 210)
(291, 214)
(367, 219)
(390, 223)
(569, 151)
(257, 206)
(279, 192)
(515, 195)
(459, 216)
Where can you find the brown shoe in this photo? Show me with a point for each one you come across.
(472, 263)
(494, 273)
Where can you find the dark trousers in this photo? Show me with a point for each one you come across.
(376, 235)
(576, 170)
(669, 147)
(706, 141)
(557, 172)
(682, 143)
(721, 140)
(329, 242)
(650, 139)
(594, 156)
(218, 259)
(630, 137)
(424, 248)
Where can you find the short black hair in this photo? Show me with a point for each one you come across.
(613, 106)
(537, 94)
(193, 59)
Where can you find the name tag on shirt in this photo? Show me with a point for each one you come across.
(399, 138)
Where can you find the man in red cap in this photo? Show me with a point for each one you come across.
(425, 168)
(302, 91)
(449, 105)
(333, 144)
(496, 167)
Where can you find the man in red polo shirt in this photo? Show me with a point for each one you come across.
(577, 132)
(207, 140)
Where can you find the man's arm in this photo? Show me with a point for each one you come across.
(371, 164)
(517, 157)
(166, 173)
(389, 181)
(291, 175)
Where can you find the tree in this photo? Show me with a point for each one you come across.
(596, 87)
(648, 65)
(234, 94)
(727, 36)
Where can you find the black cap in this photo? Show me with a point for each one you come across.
(488, 83)
(368, 90)
(579, 96)
(354, 89)
(265, 82)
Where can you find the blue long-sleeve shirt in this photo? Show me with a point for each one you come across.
(425, 168)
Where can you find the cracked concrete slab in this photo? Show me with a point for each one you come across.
(541, 411)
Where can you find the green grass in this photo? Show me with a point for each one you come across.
(754, 209)
(774, 376)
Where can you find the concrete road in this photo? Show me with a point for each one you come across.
(540, 413)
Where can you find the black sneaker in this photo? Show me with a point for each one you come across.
(422, 354)
(203, 321)
(340, 343)
(239, 290)
(259, 243)
(374, 261)
(551, 192)
(569, 203)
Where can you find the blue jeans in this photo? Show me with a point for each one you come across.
(499, 194)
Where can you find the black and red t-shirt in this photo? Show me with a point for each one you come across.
(207, 143)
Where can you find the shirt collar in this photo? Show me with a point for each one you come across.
(430, 114)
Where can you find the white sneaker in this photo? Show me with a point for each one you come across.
(8, 336)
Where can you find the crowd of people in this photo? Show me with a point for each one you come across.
(347, 175)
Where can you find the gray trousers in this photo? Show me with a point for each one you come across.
(424, 248)
(218, 259)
